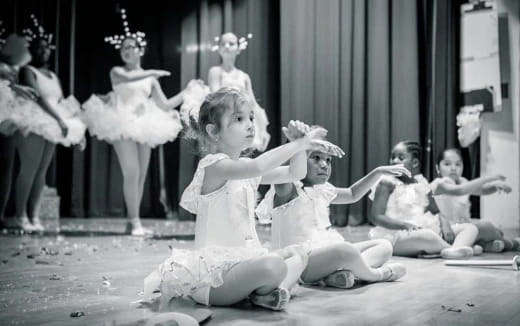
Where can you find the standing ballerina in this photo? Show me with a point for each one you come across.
(228, 75)
(40, 128)
(137, 117)
(14, 54)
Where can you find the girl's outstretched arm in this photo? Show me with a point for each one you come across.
(473, 187)
(363, 185)
(162, 101)
(377, 214)
(214, 78)
(120, 75)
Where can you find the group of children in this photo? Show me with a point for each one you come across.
(229, 264)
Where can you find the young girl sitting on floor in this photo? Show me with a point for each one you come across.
(299, 212)
(405, 213)
(451, 192)
(228, 263)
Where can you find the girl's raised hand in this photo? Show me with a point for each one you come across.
(158, 73)
(295, 129)
(394, 170)
(326, 147)
(503, 187)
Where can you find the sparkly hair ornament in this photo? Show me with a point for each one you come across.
(117, 40)
(2, 31)
(242, 42)
(37, 32)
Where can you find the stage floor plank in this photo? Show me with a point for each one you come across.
(95, 269)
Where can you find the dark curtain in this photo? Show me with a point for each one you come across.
(201, 22)
(352, 66)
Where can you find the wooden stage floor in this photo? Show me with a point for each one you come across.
(92, 268)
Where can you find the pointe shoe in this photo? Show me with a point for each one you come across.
(456, 253)
(494, 246)
(135, 228)
(25, 224)
(37, 224)
(477, 250)
(397, 271)
(275, 300)
(341, 279)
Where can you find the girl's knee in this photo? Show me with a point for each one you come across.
(385, 247)
(344, 251)
(272, 267)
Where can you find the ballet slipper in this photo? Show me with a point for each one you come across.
(494, 246)
(455, 253)
(135, 228)
(342, 279)
(396, 271)
(37, 224)
(477, 250)
(275, 300)
(24, 224)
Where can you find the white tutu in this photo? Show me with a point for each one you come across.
(29, 117)
(8, 102)
(192, 273)
(192, 98)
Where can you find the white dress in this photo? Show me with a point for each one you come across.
(456, 209)
(33, 119)
(407, 203)
(130, 113)
(9, 101)
(304, 220)
(225, 235)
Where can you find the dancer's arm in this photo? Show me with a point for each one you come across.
(363, 185)
(120, 75)
(473, 187)
(162, 101)
(214, 79)
(377, 214)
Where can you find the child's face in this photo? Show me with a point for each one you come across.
(17, 48)
(130, 51)
(228, 47)
(400, 155)
(318, 168)
(451, 166)
(237, 128)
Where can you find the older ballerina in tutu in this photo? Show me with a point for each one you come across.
(14, 54)
(54, 121)
(137, 117)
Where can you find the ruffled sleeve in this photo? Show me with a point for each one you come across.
(190, 196)
(385, 179)
(435, 183)
(327, 191)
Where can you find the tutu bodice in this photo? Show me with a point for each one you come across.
(304, 220)
(456, 209)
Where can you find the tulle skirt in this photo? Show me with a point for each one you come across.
(425, 221)
(142, 122)
(29, 117)
(192, 273)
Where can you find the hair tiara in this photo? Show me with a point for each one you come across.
(117, 40)
(37, 32)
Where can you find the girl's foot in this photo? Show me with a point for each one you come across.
(276, 300)
(342, 279)
(477, 250)
(37, 224)
(393, 272)
(25, 224)
(455, 253)
(136, 229)
(494, 246)
(516, 244)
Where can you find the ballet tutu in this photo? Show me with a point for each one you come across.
(29, 117)
(141, 120)
(425, 221)
(192, 98)
(192, 273)
(8, 102)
